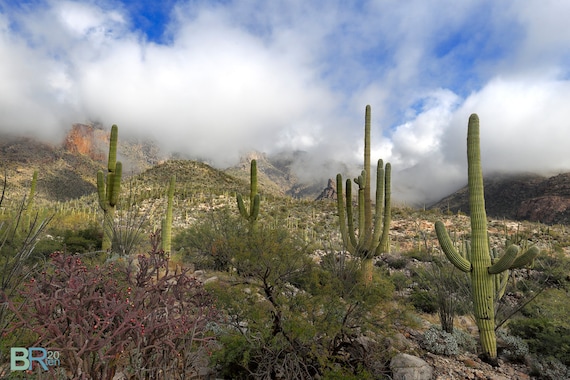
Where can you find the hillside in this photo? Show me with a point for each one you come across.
(519, 197)
(202, 192)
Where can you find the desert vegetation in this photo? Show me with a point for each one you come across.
(173, 273)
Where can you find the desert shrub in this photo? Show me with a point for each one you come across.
(400, 280)
(548, 368)
(19, 235)
(133, 316)
(288, 316)
(546, 328)
(555, 269)
(441, 288)
(439, 342)
(209, 243)
(512, 347)
(82, 240)
(396, 261)
(544, 337)
(424, 300)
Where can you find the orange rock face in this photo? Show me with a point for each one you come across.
(87, 140)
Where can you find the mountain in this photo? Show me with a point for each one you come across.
(519, 197)
(276, 174)
(68, 170)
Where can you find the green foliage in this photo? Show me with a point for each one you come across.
(424, 300)
(209, 243)
(18, 258)
(286, 314)
(546, 327)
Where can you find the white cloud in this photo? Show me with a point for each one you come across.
(257, 75)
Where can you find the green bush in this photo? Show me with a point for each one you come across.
(288, 316)
(544, 337)
(424, 300)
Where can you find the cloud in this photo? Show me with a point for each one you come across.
(225, 78)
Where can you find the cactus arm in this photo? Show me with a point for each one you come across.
(255, 209)
(384, 244)
(363, 234)
(447, 246)
(505, 262)
(367, 225)
(341, 212)
(113, 148)
(115, 181)
(103, 201)
(378, 211)
(253, 183)
(525, 258)
(349, 216)
(241, 206)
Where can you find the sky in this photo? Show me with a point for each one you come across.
(217, 79)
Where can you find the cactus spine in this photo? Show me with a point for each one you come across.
(254, 199)
(478, 261)
(109, 188)
(373, 233)
(167, 220)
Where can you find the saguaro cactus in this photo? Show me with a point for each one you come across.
(109, 188)
(373, 232)
(478, 261)
(167, 220)
(254, 199)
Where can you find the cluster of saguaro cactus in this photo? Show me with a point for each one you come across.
(373, 231)
(167, 220)
(487, 272)
(109, 188)
(254, 199)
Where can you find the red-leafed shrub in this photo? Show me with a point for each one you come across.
(134, 316)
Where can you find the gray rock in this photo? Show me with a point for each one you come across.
(409, 367)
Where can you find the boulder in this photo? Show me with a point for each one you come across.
(409, 367)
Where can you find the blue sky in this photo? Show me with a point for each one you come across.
(217, 79)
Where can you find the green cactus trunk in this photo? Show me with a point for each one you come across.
(478, 261)
(254, 199)
(109, 189)
(166, 241)
(373, 230)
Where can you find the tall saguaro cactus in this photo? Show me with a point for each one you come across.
(167, 221)
(254, 199)
(485, 271)
(109, 188)
(373, 230)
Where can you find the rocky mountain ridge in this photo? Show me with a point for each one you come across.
(519, 197)
(68, 171)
